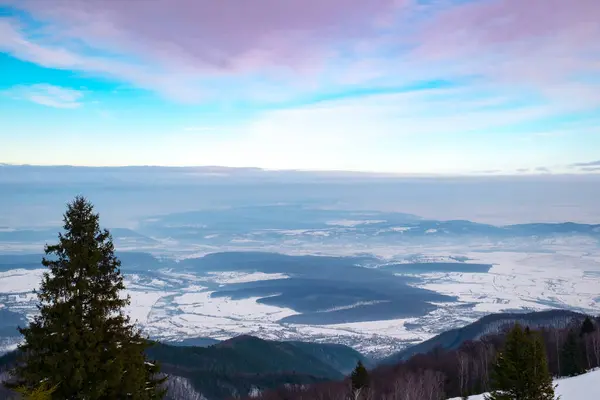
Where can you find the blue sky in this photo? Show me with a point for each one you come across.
(487, 86)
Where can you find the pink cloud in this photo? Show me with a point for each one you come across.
(191, 49)
(223, 35)
(549, 46)
(477, 25)
(561, 35)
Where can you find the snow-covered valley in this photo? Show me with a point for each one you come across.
(175, 303)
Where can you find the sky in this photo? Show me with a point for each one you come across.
(403, 86)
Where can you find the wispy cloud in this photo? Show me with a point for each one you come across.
(199, 50)
(540, 43)
(586, 164)
(202, 49)
(227, 35)
(47, 95)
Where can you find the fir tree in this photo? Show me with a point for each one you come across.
(571, 358)
(359, 379)
(541, 387)
(521, 369)
(81, 341)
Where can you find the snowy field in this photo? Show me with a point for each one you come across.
(175, 305)
(582, 387)
(525, 280)
(17, 281)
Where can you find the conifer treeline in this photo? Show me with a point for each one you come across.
(473, 368)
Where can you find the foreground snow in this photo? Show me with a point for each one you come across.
(582, 387)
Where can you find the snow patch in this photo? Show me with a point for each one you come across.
(582, 387)
(20, 280)
(243, 277)
(352, 223)
(401, 229)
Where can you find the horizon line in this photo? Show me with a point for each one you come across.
(531, 173)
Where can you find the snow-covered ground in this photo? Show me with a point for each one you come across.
(20, 280)
(582, 387)
(241, 277)
(353, 223)
(524, 280)
(174, 305)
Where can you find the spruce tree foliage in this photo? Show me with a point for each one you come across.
(81, 341)
(521, 369)
(359, 377)
(41, 392)
(571, 358)
(542, 387)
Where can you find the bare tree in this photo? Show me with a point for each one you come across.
(433, 383)
(484, 357)
(557, 339)
(463, 371)
(181, 388)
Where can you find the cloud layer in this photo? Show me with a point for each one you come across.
(178, 46)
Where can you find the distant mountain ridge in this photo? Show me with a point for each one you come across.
(209, 227)
(461, 227)
(490, 324)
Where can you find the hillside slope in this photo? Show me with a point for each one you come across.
(245, 364)
(339, 357)
(582, 387)
(490, 324)
(243, 355)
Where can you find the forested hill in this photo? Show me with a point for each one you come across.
(488, 325)
(568, 346)
(245, 363)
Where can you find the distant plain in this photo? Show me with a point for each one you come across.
(373, 262)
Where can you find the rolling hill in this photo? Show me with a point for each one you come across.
(490, 324)
(244, 364)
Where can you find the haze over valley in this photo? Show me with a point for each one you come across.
(309, 256)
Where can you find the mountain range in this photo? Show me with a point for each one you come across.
(245, 364)
(217, 228)
(240, 365)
